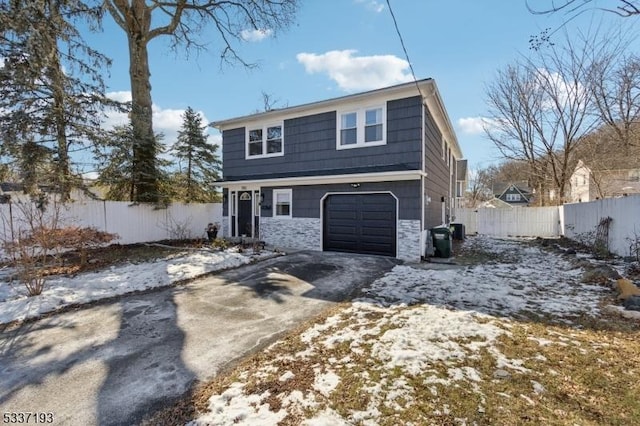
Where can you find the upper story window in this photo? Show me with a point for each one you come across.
(361, 127)
(513, 197)
(266, 141)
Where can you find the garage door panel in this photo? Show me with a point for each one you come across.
(375, 224)
(360, 223)
(384, 216)
(349, 215)
(376, 199)
(337, 231)
(376, 231)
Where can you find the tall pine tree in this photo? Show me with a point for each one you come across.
(117, 171)
(51, 87)
(198, 162)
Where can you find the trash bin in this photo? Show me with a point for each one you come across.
(458, 231)
(442, 241)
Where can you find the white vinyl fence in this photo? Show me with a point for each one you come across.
(583, 218)
(134, 223)
(514, 222)
(575, 221)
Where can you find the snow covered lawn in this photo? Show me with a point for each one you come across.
(61, 291)
(515, 339)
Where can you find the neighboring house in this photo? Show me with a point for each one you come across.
(365, 173)
(515, 194)
(588, 184)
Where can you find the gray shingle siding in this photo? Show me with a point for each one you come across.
(437, 180)
(310, 147)
(306, 199)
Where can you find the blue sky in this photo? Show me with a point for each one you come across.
(337, 47)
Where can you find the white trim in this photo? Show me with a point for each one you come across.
(289, 192)
(263, 128)
(423, 200)
(423, 161)
(322, 180)
(361, 125)
(233, 197)
(324, 197)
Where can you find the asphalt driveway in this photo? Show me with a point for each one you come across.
(114, 363)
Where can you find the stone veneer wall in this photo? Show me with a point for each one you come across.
(409, 240)
(297, 232)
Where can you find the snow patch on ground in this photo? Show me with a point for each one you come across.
(413, 319)
(92, 286)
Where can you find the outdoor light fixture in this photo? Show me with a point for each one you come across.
(355, 185)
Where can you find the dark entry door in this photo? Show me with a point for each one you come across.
(245, 215)
(360, 223)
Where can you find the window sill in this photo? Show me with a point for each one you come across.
(253, 157)
(361, 145)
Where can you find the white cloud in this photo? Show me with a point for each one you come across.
(354, 73)
(372, 5)
(166, 121)
(255, 35)
(475, 125)
(558, 89)
(121, 96)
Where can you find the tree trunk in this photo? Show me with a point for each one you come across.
(189, 186)
(62, 167)
(145, 175)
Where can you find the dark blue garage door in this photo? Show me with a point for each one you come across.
(360, 223)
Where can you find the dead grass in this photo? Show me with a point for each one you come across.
(99, 258)
(584, 372)
(588, 376)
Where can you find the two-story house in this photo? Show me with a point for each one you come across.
(365, 173)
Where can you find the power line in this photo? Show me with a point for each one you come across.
(404, 48)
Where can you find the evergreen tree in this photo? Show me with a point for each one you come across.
(118, 172)
(51, 87)
(199, 165)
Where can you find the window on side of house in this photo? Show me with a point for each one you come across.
(265, 141)
(361, 127)
(282, 203)
(513, 197)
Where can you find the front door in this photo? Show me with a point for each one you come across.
(245, 214)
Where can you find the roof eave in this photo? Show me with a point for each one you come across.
(225, 124)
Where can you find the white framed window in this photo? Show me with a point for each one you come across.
(361, 127)
(265, 141)
(513, 197)
(282, 203)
